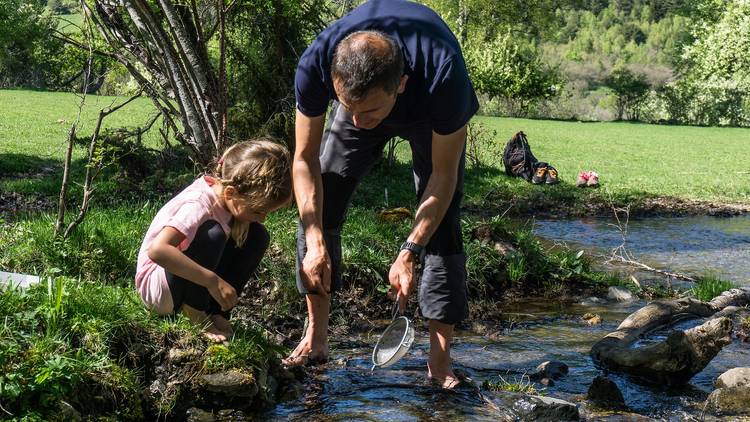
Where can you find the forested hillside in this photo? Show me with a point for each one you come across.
(674, 61)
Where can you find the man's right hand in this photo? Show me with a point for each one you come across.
(316, 271)
(224, 294)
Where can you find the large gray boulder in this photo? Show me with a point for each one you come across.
(737, 377)
(729, 401)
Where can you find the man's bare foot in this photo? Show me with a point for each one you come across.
(307, 352)
(210, 330)
(447, 380)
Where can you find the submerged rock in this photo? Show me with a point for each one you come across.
(517, 406)
(198, 415)
(551, 370)
(620, 294)
(737, 377)
(604, 393)
(591, 319)
(539, 408)
(231, 383)
(729, 401)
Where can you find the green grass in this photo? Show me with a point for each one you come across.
(633, 160)
(69, 24)
(709, 286)
(522, 385)
(71, 330)
(89, 344)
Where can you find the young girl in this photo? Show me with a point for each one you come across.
(204, 244)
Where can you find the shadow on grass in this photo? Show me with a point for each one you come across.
(24, 165)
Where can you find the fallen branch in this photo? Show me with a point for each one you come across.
(621, 255)
(653, 270)
(683, 354)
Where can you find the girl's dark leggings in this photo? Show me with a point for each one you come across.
(211, 249)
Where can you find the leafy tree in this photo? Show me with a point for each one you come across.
(25, 44)
(631, 90)
(513, 71)
(720, 54)
(264, 42)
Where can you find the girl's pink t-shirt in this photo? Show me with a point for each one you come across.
(186, 212)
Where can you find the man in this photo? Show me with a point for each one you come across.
(392, 68)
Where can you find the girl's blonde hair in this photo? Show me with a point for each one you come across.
(260, 171)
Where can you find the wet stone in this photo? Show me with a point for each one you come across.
(591, 319)
(546, 382)
(231, 383)
(538, 408)
(232, 415)
(737, 377)
(179, 356)
(198, 415)
(604, 393)
(67, 412)
(729, 401)
(619, 294)
(551, 369)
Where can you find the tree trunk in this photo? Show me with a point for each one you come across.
(165, 47)
(683, 354)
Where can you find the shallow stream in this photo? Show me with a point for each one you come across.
(345, 389)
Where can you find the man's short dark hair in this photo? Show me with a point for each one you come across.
(365, 60)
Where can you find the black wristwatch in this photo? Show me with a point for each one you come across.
(414, 248)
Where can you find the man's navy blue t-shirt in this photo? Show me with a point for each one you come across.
(438, 88)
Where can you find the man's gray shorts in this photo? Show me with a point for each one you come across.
(346, 155)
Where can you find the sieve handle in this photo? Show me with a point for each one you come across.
(394, 313)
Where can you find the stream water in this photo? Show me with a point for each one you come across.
(345, 389)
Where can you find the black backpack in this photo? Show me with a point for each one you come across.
(517, 157)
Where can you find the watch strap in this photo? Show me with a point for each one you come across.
(415, 248)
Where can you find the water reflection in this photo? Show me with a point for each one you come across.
(347, 390)
(685, 244)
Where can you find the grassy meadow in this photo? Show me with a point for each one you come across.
(700, 163)
(83, 322)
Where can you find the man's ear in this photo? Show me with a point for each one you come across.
(402, 84)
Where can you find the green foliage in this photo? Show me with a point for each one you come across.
(689, 101)
(25, 44)
(480, 143)
(631, 89)
(264, 42)
(40, 361)
(105, 247)
(248, 348)
(506, 68)
(709, 286)
(522, 385)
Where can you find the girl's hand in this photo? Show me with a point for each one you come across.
(224, 294)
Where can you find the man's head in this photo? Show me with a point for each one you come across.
(367, 73)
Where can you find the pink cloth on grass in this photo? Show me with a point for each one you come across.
(186, 212)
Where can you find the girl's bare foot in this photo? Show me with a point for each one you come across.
(223, 325)
(210, 331)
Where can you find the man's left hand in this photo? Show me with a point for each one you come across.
(401, 277)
